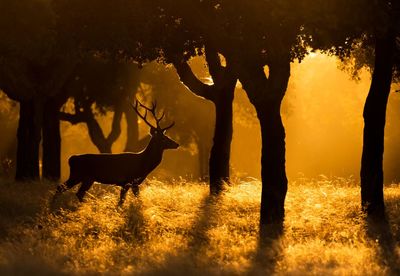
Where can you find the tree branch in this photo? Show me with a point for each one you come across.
(72, 118)
(258, 86)
(96, 134)
(214, 64)
(188, 78)
(279, 74)
(254, 81)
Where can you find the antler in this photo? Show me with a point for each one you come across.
(168, 127)
(152, 110)
(135, 107)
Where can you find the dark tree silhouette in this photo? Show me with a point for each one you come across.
(32, 76)
(123, 30)
(181, 42)
(192, 115)
(98, 86)
(221, 93)
(51, 140)
(375, 108)
(266, 94)
(252, 35)
(249, 35)
(35, 76)
(371, 30)
(16, 80)
(374, 125)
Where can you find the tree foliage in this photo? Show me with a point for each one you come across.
(26, 22)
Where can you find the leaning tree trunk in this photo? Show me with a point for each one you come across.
(51, 159)
(219, 165)
(374, 127)
(103, 143)
(28, 136)
(96, 136)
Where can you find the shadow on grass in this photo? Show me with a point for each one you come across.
(66, 201)
(21, 203)
(269, 250)
(192, 258)
(207, 217)
(134, 230)
(379, 231)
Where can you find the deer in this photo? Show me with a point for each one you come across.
(127, 170)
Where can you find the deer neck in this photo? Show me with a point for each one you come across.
(154, 152)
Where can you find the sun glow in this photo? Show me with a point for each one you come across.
(312, 54)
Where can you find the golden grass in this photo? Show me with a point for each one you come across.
(177, 229)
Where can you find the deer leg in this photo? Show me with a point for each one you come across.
(83, 189)
(122, 196)
(67, 185)
(64, 187)
(135, 185)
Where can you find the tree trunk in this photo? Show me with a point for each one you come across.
(374, 127)
(51, 160)
(221, 149)
(97, 137)
(132, 141)
(221, 93)
(204, 160)
(103, 143)
(28, 136)
(273, 171)
(266, 94)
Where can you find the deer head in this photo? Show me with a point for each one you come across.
(157, 132)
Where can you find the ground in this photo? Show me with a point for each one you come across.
(177, 229)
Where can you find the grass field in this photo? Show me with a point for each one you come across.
(177, 229)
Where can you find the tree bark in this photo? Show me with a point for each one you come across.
(221, 93)
(132, 141)
(219, 163)
(28, 136)
(372, 199)
(104, 144)
(273, 171)
(266, 94)
(203, 158)
(51, 159)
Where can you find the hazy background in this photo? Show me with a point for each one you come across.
(322, 113)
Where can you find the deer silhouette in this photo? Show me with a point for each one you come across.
(127, 170)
